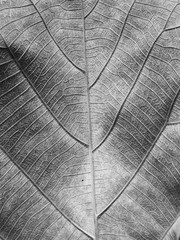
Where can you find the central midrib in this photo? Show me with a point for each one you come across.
(95, 230)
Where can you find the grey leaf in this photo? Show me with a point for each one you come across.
(89, 119)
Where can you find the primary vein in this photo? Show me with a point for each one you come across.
(90, 129)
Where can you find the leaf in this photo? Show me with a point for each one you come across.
(174, 232)
(89, 119)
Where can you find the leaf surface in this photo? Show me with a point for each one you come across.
(89, 119)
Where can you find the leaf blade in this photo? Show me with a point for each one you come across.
(15, 224)
(50, 120)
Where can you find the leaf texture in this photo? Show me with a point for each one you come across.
(89, 119)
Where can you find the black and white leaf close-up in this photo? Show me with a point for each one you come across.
(89, 120)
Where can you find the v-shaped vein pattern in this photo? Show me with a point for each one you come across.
(116, 142)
